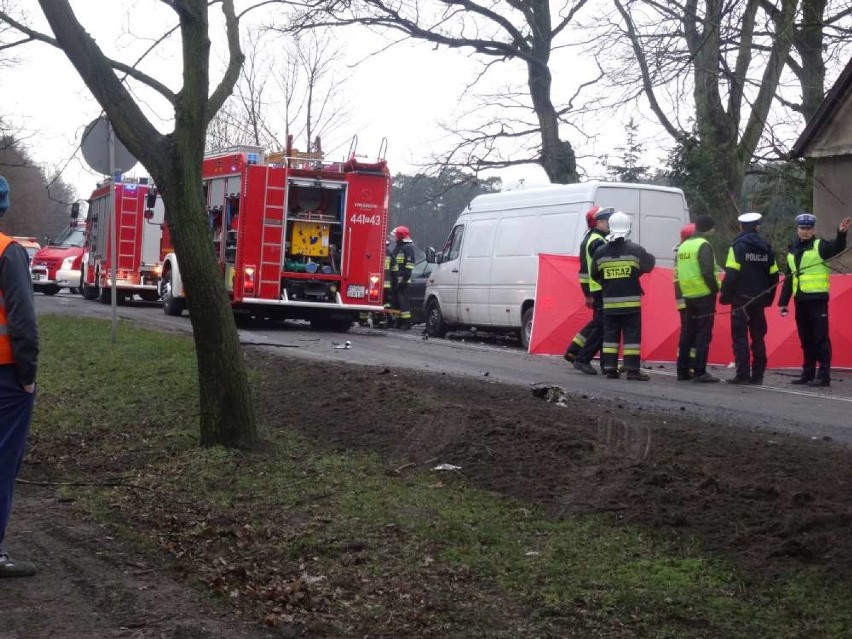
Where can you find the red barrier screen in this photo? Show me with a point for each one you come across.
(560, 312)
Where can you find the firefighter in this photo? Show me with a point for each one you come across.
(387, 291)
(686, 232)
(806, 281)
(751, 275)
(587, 342)
(617, 267)
(695, 269)
(402, 265)
(18, 363)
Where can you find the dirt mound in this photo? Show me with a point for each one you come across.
(769, 502)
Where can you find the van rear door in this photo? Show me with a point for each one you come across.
(656, 215)
(663, 213)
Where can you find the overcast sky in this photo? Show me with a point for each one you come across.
(399, 94)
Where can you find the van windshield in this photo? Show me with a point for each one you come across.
(70, 237)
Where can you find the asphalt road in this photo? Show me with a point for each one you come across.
(776, 407)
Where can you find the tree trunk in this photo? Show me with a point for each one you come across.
(227, 414)
(809, 44)
(174, 161)
(557, 156)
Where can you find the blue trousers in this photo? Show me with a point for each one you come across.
(16, 411)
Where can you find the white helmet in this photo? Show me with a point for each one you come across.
(619, 226)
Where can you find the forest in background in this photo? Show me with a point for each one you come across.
(41, 205)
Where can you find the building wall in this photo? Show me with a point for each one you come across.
(836, 138)
(833, 196)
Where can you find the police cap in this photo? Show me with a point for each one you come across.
(750, 218)
(806, 220)
(604, 214)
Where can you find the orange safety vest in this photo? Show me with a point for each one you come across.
(6, 356)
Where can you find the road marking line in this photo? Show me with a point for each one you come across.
(776, 389)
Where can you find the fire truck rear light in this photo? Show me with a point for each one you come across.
(248, 280)
(375, 293)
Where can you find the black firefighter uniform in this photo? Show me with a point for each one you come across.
(617, 267)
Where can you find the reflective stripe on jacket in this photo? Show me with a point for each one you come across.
(387, 278)
(617, 267)
(402, 262)
(812, 274)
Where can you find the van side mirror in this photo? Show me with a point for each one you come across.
(75, 210)
(150, 202)
(430, 255)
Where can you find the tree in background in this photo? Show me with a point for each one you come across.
(287, 86)
(779, 190)
(174, 162)
(429, 205)
(715, 74)
(522, 126)
(629, 170)
(41, 205)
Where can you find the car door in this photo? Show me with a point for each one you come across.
(444, 281)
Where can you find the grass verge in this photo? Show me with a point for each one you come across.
(331, 543)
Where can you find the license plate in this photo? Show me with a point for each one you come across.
(356, 291)
(38, 277)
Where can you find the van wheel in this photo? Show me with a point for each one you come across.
(171, 305)
(50, 289)
(435, 324)
(526, 328)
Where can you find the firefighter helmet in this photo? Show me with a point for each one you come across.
(687, 231)
(401, 233)
(590, 216)
(619, 225)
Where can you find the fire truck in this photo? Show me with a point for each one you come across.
(132, 205)
(295, 237)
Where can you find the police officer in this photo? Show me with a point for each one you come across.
(587, 342)
(751, 276)
(686, 232)
(695, 268)
(807, 282)
(617, 266)
(402, 266)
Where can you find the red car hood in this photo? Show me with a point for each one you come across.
(57, 252)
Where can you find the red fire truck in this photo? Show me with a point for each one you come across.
(133, 206)
(295, 237)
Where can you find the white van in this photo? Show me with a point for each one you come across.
(486, 273)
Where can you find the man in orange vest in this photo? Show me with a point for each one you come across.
(18, 361)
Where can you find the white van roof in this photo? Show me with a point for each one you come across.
(554, 194)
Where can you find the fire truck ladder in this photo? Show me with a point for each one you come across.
(271, 240)
(128, 229)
